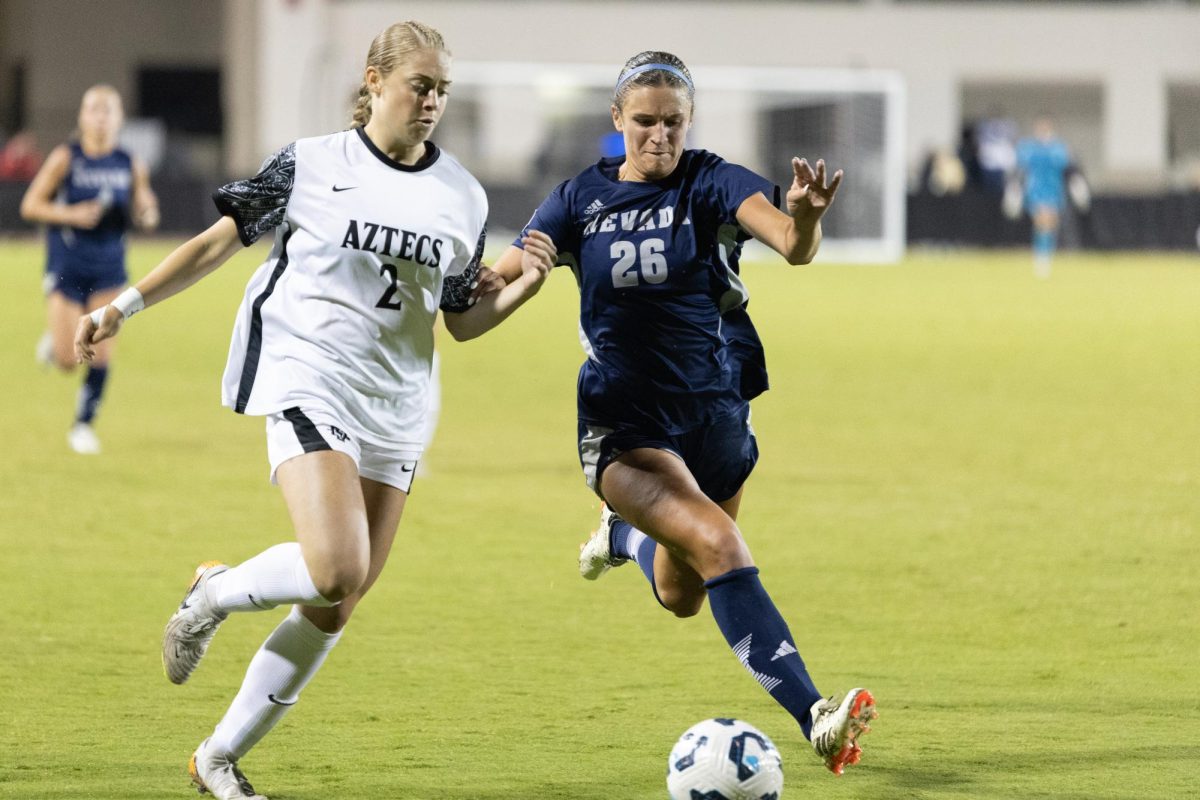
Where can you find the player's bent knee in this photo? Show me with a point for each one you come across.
(718, 550)
(336, 583)
(685, 607)
(680, 601)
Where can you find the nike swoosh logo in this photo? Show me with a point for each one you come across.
(406, 468)
(279, 702)
(337, 188)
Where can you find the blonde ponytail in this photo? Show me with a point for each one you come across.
(362, 107)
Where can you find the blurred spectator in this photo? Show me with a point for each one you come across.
(943, 174)
(20, 158)
(997, 153)
(968, 155)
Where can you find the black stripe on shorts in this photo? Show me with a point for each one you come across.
(310, 438)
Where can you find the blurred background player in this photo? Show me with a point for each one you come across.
(333, 346)
(89, 192)
(654, 238)
(1042, 165)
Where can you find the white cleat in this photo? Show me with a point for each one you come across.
(595, 555)
(83, 439)
(191, 627)
(837, 726)
(218, 775)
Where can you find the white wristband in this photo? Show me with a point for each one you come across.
(129, 302)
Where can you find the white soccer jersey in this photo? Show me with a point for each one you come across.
(341, 313)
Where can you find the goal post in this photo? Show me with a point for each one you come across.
(524, 127)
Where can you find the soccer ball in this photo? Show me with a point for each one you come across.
(724, 759)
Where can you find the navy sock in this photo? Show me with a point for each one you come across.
(618, 538)
(626, 541)
(761, 641)
(90, 393)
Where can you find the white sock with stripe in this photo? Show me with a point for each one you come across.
(275, 577)
(281, 668)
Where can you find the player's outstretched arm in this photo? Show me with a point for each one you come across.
(187, 264)
(536, 260)
(795, 235)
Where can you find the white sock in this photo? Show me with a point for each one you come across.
(281, 668)
(274, 577)
(633, 543)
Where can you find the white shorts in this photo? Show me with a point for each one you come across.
(294, 432)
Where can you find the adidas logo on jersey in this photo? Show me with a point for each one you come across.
(593, 208)
(393, 242)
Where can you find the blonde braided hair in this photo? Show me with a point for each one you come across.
(387, 52)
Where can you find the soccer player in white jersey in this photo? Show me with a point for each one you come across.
(375, 229)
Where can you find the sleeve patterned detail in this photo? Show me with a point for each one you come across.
(259, 204)
(456, 290)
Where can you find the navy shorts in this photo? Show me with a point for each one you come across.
(720, 456)
(77, 284)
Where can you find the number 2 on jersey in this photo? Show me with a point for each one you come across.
(389, 296)
(647, 260)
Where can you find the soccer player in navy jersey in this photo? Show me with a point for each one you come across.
(89, 192)
(653, 238)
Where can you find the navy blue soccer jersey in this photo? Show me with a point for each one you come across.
(662, 309)
(108, 179)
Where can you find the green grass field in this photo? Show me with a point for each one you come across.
(978, 495)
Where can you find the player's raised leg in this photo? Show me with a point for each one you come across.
(654, 490)
(327, 565)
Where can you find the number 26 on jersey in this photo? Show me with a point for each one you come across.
(634, 263)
